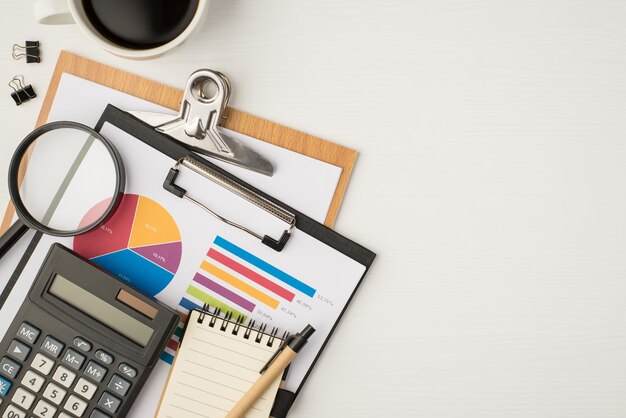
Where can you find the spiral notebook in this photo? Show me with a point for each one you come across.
(218, 361)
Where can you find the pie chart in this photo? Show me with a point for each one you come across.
(140, 243)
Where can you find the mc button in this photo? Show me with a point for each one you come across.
(28, 333)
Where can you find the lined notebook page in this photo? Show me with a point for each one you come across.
(213, 369)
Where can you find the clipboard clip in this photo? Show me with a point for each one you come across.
(198, 167)
(203, 107)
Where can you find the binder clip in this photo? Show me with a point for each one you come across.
(196, 126)
(21, 93)
(30, 51)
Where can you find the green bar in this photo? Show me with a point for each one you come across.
(178, 332)
(213, 303)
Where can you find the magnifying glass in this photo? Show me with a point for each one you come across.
(65, 179)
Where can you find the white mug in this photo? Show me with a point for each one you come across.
(61, 12)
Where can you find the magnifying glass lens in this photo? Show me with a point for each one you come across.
(69, 181)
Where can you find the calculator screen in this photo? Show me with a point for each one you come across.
(100, 310)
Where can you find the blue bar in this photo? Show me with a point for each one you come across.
(167, 357)
(266, 267)
(189, 305)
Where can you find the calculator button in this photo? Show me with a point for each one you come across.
(42, 364)
(33, 381)
(5, 385)
(28, 333)
(98, 414)
(82, 344)
(18, 350)
(75, 405)
(54, 393)
(73, 359)
(95, 371)
(52, 346)
(64, 415)
(127, 370)
(85, 388)
(109, 402)
(9, 368)
(13, 412)
(118, 385)
(64, 376)
(104, 357)
(44, 410)
(23, 398)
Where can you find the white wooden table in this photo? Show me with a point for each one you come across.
(490, 182)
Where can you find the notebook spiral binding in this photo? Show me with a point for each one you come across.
(249, 329)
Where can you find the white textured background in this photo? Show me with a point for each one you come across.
(490, 182)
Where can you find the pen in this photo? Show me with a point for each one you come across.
(274, 368)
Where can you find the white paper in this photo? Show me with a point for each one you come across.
(299, 181)
(332, 275)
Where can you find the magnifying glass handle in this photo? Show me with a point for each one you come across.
(13, 235)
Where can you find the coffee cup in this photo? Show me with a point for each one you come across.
(136, 29)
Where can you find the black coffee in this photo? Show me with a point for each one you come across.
(140, 24)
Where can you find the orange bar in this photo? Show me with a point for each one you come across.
(243, 286)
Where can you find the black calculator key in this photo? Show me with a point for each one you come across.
(104, 357)
(82, 344)
(73, 359)
(52, 346)
(127, 370)
(9, 368)
(109, 402)
(18, 350)
(98, 414)
(95, 371)
(118, 385)
(5, 385)
(28, 333)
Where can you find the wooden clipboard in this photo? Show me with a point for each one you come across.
(171, 97)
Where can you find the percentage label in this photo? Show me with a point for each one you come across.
(288, 312)
(158, 257)
(325, 300)
(106, 229)
(304, 304)
(151, 227)
(264, 314)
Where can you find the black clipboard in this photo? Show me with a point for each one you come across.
(176, 151)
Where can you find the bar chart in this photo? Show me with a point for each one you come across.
(234, 280)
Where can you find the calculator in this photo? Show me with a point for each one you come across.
(82, 344)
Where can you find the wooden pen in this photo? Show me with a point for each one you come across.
(270, 372)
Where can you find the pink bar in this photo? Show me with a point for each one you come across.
(250, 274)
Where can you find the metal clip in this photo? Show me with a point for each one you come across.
(203, 107)
(236, 188)
(21, 93)
(30, 51)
